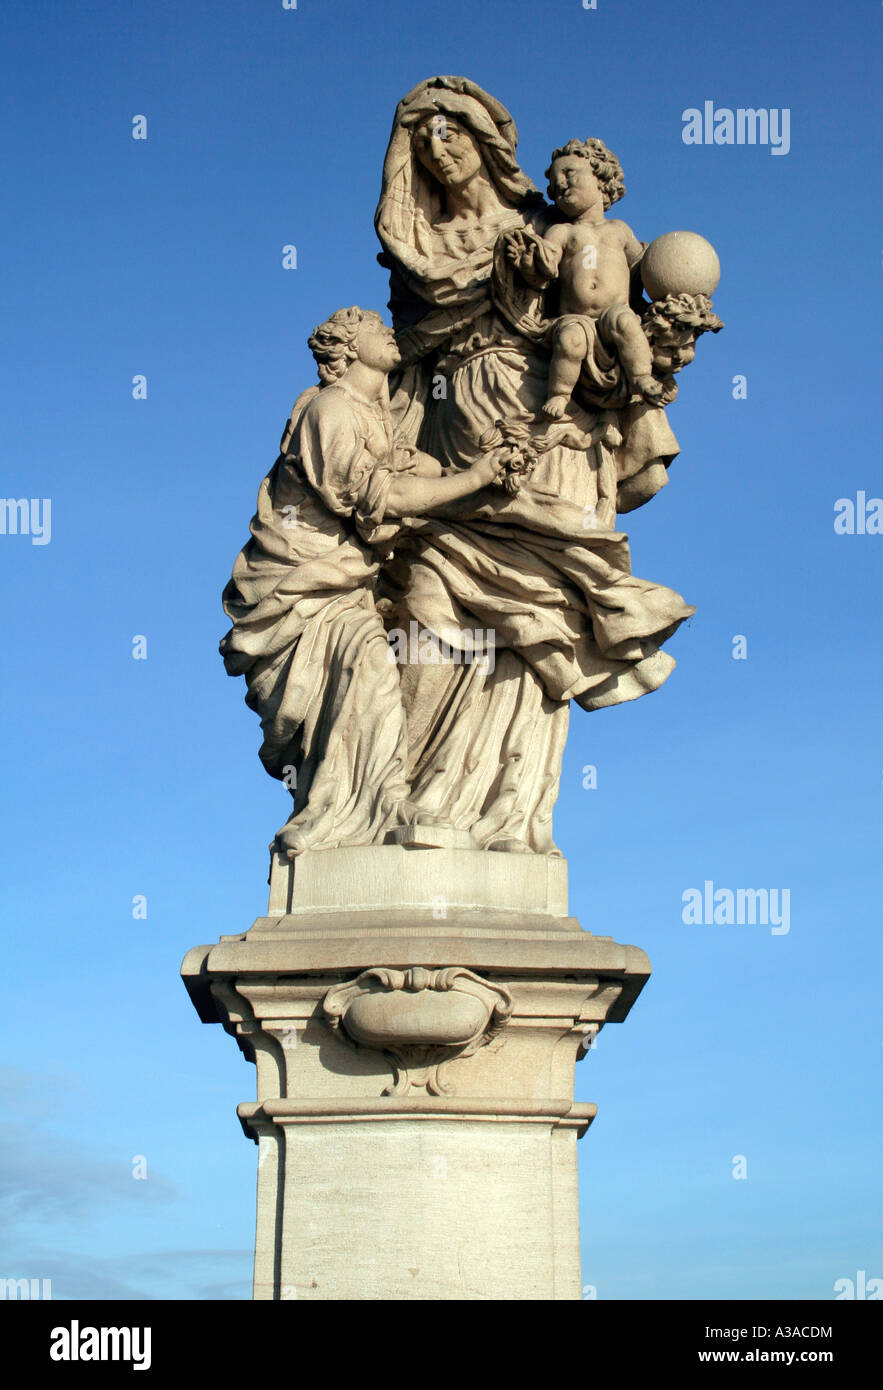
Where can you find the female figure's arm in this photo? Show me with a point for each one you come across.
(415, 496)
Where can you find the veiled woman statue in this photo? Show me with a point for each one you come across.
(401, 536)
(540, 569)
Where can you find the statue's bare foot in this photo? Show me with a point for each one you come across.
(556, 406)
(511, 846)
(405, 812)
(649, 388)
(291, 841)
(427, 818)
(411, 813)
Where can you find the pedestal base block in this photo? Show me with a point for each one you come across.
(415, 1116)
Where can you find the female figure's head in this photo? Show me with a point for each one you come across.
(449, 141)
(447, 150)
(352, 335)
(445, 114)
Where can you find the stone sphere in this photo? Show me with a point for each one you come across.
(680, 263)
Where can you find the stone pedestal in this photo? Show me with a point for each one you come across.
(415, 1014)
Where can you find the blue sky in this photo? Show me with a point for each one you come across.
(164, 258)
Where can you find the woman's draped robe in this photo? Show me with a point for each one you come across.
(551, 586)
(306, 632)
(545, 571)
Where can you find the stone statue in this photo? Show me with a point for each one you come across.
(434, 571)
(306, 631)
(434, 574)
(593, 259)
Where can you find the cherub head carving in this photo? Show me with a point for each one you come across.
(605, 167)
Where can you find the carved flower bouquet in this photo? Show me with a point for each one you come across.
(517, 451)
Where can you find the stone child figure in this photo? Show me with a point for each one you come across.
(593, 259)
(306, 631)
(672, 326)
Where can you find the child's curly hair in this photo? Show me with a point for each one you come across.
(605, 166)
(681, 312)
(333, 343)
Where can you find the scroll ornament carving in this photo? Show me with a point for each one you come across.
(419, 1019)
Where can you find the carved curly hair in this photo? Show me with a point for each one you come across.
(605, 166)
(333, 343)
(691, 312)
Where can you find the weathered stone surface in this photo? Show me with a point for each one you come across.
(390, 876)
(680, 263)
(434, 574)
(415, 1113)
(434, 571)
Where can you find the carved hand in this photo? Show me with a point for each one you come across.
(488, 468)
(535, 261)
